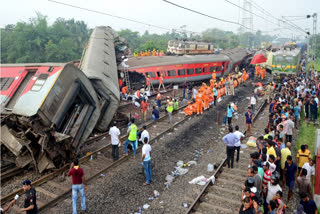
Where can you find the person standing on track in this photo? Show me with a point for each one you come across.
(170, 109)
(215, 94)
(146, 160)
(248, 121)
(237, 146)
(132, 131)
(230, 140)
(30, 202)
(227, 87)
(144, 109)
(158, 100)
(230, 111)
(144, 134)
(253, 102)
(114, 137)
(79, 185)
(161, 83)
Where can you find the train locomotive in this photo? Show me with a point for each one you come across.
(48, 110)
(180, 47)
(177, 69)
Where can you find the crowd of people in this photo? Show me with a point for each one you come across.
(272, 168)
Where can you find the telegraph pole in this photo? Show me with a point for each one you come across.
(314, 40)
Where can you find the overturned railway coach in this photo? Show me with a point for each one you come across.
(49, 110)
(177, 69)
(44, 108)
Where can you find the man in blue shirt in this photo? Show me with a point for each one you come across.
(309, 206)
(290, 170)
(230, 140)
(230, 110)
(155, 114)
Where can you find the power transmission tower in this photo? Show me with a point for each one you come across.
(247, 17)
(314, 35)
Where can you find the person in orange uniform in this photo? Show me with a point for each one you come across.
(212, 84)
(158, 100)
(257, 68)
(199, 103)
(263, 73)
(206, 94)
(124, 91)
(214, 75)
(144, 108)
(148, 83)
(161, 83)
(188, 110)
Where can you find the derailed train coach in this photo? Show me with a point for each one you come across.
(177, 69)
(49, 110)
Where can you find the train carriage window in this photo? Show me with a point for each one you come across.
(212, 69)
(187, 45)
(151, 74)
(5, 83)
(181, 72)
(198, 70)
(278, 58)
(289, 59)
(171, 73)
(218, 68)
(205, 70)
(39, 82)
(190, 71)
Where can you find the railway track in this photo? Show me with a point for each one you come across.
(224, 195)
(8, 172)
(54, 186)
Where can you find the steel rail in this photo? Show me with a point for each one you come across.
(114, 164)
(51, 175)
(197, 201)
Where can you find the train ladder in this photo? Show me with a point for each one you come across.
(126, 78)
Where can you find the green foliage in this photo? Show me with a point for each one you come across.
(36, 41)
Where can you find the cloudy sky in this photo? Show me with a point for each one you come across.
(162, 14)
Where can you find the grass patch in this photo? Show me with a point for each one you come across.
(307, 135)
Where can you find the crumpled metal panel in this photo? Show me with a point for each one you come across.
(10, 141)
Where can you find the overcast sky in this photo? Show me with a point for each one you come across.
(160, 13)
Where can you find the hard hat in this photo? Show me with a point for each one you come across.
(221, 79)
(148, 75)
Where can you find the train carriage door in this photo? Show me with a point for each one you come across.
(208, 47)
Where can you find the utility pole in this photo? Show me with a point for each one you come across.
(314, 35)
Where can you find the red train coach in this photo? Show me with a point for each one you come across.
(177, 69)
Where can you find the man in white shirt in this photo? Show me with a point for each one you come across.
(253, 102)
(309, 166)
(237, 145)
(114, 137)
(144, 134)
(146, 160)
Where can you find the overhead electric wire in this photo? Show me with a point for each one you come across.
(203, 14)
(278, 19)
(118, 17)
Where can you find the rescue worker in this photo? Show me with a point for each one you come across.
(157, 53)
(161, 83)
(214, 75)
(30, 201)
(170, 109)
(263, 73)
(188, 110)
(137, 95)
(132, 137)
(144, 109)
(199, 103)
(148, 83)
(158, 98)
(257, 68)
(153, 52)
(212, 83)
(206, 94)
(176, 105)
(124, 91)
(231, 83)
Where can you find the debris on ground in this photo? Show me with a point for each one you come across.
(146, 206)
